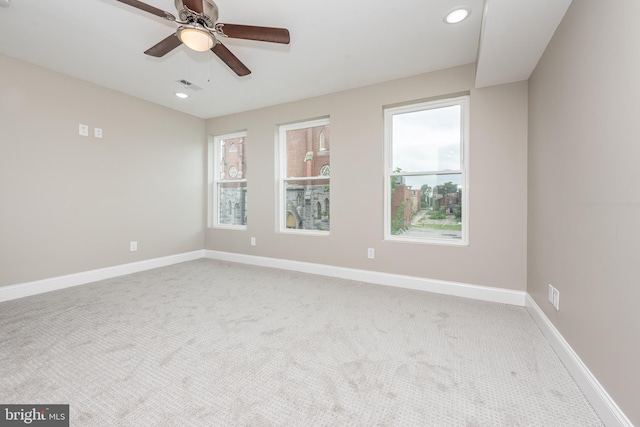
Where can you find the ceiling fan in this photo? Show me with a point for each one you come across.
(200, 30)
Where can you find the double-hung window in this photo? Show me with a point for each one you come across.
(228, 166)
(305, 177)
(426, 172)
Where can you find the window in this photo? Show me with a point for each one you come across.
(304, 177)
(228, 172)
(426, 166)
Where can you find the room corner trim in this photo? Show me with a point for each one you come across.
(484, 293)
(606, 408)
(52, 284)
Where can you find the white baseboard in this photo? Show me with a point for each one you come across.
(602, 403)
(484, 293)
(46, 285)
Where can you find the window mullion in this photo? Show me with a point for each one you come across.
(440, 172)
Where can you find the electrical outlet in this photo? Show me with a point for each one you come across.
(556, 299)
(550, 297)
(133, 246)
(253, 241)
(97, 132)
(371, 253)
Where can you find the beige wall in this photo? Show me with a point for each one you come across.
(584, 202)
(496, 255)
(71, 204)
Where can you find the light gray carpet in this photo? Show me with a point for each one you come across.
(207, 343)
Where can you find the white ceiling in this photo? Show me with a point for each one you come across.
(335, 45)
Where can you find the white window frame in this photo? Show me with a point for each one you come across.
(215, 181)
(463, 101)
(282, 178)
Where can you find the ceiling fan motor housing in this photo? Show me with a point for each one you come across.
(208, 17)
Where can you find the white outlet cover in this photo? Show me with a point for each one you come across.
(83, 130)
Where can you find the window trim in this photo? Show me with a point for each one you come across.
(281, 171)
(389, 112)
(214, 180)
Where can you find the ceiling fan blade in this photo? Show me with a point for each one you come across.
(164, 47)
(194, 5)
(250, 32)
(148, 8)
(230, 59)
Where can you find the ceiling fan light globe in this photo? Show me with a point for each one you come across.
(196, 38)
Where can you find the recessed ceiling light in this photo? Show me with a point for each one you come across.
(458, 14)
(181, 95)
